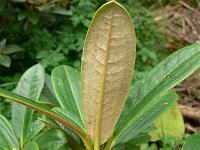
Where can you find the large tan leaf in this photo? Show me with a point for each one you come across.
(107, 67)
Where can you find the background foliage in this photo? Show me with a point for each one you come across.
(53, 32)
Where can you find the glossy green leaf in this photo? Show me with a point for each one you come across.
(165, 102)
(66, 84)
(170, 124)
(31, 146)
(136, 141)
(7, 134)
(145, 102)
(56, 145)
(5, 61)
(10, 49)
(35, 128)
(46, 111)
(3, 44)
(192, 142)
(52, 138)
(3, 142)
(70, 133)
(29, 86)
(48, 95)
(49, 122)
(69, 116)
(126, 146)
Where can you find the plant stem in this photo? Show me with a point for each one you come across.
(108, 145)
(96, 146)
(87, 143)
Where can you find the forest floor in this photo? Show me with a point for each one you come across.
(182, 22)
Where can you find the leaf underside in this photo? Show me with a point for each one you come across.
(107, 67)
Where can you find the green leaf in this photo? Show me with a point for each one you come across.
(20, 1)
(22, 15)
(47, 111)
(61, 11)
(5, 61)
(192, 142)
(7, 133)
(31, 146)
(144, 105)
(165, 102)
(3, 44)
(48, 96)
(49, 122)
(10, 49)
(170, 124)
(52, 138)
(126, 146)
(29, 86)
(66, 84)
(36, 127)
(33, 18)
(69, 116)
(4, 144)
(56, 145)
(136, 141)
(2, 5)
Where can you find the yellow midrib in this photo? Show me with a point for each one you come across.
(98, 118)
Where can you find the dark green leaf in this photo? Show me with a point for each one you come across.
(145, 104)
(69, 116)
(22, 15)
(165, 102)
(31, 146)
(49, 122)
(3, 44)
(29, 86)
(7, 134)
(2, 5)
(126, 146)
(48, 95)
(192, 142)
(5, 61)
(42, 109)
(51, 139)
(66, 84)
(61, 11)
(10, 49)
(33, 18)
(36, 127)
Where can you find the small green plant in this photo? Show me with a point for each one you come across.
(5, 51)
(25, 131)
(99, 112)
(192, 142)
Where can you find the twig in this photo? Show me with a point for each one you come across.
(189, 7)
(190, 128)
(189, 112)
